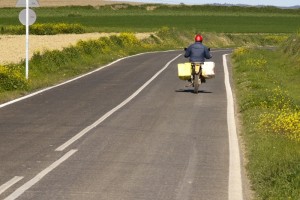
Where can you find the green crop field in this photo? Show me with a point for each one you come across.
(145, 18)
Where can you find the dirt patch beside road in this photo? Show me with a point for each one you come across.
(14, 50)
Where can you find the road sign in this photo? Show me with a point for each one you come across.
(32, 17)
(32, 3)
(27, 17)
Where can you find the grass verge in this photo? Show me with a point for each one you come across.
(268, 86)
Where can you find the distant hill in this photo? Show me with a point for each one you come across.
(48, 3)
(295, 7)
(246, 5)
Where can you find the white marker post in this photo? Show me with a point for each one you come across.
(30, 18)
(27, 39)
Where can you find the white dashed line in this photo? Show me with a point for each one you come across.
(10, 183)
(39, 176)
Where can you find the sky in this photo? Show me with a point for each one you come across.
(280, 3)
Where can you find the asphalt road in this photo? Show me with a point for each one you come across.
(130, 131)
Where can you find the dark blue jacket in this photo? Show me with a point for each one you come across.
(197, 52)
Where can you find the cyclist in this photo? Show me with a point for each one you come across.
(197, 52)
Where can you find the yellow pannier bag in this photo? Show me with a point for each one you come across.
(184, 71)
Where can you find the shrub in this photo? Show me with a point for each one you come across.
(240, 51)
(274, 39)
(52, 29)
(129, 39)
(44, 29)
(14, 30)
(292, 46)
(283, 116)
(164, 31)
(283, 121)
(11, 78)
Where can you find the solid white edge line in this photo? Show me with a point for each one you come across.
(74, 79)
(10, 183)
(101, 119)
(235, 191)
(39, 176)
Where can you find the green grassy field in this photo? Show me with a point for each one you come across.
(141, 19)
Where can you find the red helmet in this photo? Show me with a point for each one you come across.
(198, 38)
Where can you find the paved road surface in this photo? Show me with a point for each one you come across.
(112, 135)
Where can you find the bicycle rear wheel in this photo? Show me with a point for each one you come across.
(196, 83)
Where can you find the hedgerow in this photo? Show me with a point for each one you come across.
(11, 78)
(44, 29)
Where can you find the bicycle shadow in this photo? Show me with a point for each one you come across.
(192, 91)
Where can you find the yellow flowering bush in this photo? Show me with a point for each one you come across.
(256, 63)
(275, 39)
(13, 29)
(282, 121)
(240, 51)
(125, 40)
(129, 39)
(277, 99)
(11, 79)
(104, 44)
(45, 29)
(68, 28)
(284, 118)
